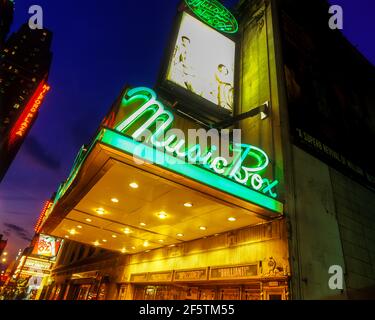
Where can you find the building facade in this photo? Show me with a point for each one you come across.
(267, 227)
(25, 61)
(331, 116)
(3, 244)
(6, 19)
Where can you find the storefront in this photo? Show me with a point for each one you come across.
(86, 286)
(205, 230)
(31, 275)
(224, 283)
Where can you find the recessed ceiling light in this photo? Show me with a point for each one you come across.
(162, 215)
(123, 250)
(115, 200)
(172, 245)
(134, 185)
(147, 251)
(127, 231)
(180, 235)
(73, 232)
(146, 244)
(161, 241)
(232, 219)
(100, 211)
(96, 243)
(79, 227)
(133, 248)
(143, 224)
(88, 220)
(67, 236)
(104, 240)
(114, 236)
(188, 204)
(203, 228)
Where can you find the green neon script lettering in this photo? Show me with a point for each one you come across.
(151, 120)
(129, 146)
(213, 13)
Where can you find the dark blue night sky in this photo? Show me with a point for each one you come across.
(99, 46)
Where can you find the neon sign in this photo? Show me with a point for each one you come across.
(47, 246)
(197, 173)
(42, 216)
(234, 178)
(214, 14)
(246, 167)
(29, 113)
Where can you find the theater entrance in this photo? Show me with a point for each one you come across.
(251, 291)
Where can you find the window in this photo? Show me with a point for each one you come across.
(71, 258)
(91, 251)
(81, 251)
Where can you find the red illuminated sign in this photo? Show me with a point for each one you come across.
(29, 113)
(38, 225)
(3, 244)
(47, 246)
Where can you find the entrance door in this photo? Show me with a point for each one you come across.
(122, 292)
(249, 294)
(229, 293)
(207, 294)
(275, 294)
(163, 292)
(83, 292)
(252, 292)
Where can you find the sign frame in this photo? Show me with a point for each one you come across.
(188, 102)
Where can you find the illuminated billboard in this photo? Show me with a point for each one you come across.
(34, 267)
(47, 246)
(42, 216)
(27, 117)
(202, 63)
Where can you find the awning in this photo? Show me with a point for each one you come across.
(98, 206)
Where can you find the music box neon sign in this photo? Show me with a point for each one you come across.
(161, 120)
(151, 119)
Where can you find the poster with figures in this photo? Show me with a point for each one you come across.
(203, 62)
(47, 246)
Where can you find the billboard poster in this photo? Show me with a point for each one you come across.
(203, 62)
(47, 246)
(37, 267)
